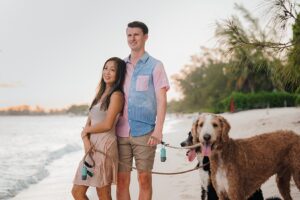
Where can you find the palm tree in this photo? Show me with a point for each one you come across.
(285, 75)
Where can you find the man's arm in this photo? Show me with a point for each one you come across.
(161, 99)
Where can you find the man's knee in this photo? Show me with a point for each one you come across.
(145, 180)
(123, 180)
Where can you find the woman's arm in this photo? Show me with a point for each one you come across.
(114, 108)
(88, 122)
(86, 141)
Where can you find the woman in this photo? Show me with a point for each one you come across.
(99, 136)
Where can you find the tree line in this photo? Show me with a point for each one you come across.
(249, 58)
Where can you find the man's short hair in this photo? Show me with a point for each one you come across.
(138, 24)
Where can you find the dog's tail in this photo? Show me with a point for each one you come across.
(273, 198)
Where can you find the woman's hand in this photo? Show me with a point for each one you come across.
(84, 133)
(87, 144)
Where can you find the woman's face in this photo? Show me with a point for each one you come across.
(109, 73)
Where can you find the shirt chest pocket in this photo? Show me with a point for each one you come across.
(142, 83)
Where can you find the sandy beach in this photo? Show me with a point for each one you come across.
(58, 184)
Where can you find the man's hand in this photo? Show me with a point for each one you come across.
(155, 138)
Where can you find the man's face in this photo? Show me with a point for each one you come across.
(136, 39)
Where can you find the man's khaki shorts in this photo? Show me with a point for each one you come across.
(143, 155)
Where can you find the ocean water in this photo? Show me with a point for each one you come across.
(28, 144)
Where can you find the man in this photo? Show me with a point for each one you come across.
(145, 88)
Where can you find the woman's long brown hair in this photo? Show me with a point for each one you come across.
(117, 86)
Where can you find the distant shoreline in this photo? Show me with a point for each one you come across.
(42, 115)
(25, 110)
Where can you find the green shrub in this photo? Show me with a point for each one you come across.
(297, 101)
(246, 101)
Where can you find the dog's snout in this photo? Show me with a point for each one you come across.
(183, 144)
(206, 137)
(188, 141)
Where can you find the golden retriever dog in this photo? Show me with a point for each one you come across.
(240, 166)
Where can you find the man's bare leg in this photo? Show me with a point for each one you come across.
(123, 186)
(145, 184)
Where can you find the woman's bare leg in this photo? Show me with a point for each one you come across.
(79, 192)
(104, 193)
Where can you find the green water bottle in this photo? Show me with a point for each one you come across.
(163, 154)
(84, 173)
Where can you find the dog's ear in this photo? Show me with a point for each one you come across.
(225, 129)
(194, 131)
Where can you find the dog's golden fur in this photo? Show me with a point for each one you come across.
(248, 163)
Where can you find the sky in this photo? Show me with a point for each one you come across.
(52, 51)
